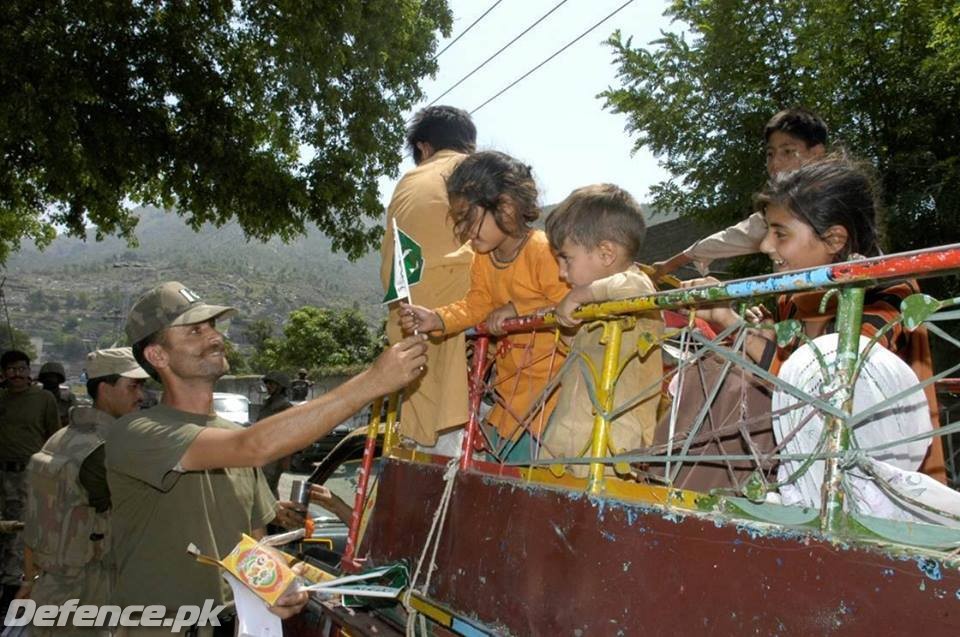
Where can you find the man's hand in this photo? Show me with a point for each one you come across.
(418, 318)
(400, 365)
(330, 501)
(496, 318)
(290, 515)
(291, 603)
(25, 590)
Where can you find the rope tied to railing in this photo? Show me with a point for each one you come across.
(432, 541)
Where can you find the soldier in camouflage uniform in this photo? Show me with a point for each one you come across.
(51, 376)
(300, 387)
(28, 416)
(67, 524)
(180, 474)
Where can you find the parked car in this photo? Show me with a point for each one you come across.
(306, 459)
(232, 407)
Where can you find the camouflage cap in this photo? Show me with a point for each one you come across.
(118, 360)
(277, 377)
(167, 305)
(53, 367)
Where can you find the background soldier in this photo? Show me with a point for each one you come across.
(28, 416)
(300, 387)
(67, 524)
(51, 376)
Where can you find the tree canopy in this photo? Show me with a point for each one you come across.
(882, 74)
(276, 114)
(313, 338)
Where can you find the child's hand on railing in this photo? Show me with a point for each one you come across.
(414, 318)
(565, 310)
(496, 318)
(576, 297)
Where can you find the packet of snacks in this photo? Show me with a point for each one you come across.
(262, 569)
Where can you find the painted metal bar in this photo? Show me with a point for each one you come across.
(612, 335)
(477, 368)
(390, 434)
(369, 451)
(849, 317)
(916, 264)
(948, 386)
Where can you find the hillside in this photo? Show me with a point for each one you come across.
(75, 294)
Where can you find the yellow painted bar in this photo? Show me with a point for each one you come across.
(390, 435)
(373, 425)
(612, 334)
(436, 614)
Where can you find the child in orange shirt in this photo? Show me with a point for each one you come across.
(493, 201)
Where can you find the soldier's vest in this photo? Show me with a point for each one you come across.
(64, 531)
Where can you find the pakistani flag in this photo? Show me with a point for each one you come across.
(407, 265)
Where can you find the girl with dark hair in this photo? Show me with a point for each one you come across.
(493, 202)
(821, 214)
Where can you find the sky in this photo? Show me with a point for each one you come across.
(552, 120)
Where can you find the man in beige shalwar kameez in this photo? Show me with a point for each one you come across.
(439, 138)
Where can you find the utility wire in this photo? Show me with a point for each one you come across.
(467, 30)
(502, 49)
(558, 52)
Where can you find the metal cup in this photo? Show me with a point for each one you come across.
(300, 493)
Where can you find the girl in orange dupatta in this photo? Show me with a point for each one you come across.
(493, 202)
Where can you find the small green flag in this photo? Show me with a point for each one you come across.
(407, 267)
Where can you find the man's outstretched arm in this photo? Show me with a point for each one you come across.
(295, 428)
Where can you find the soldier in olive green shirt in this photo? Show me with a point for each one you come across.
(28, 416)
(179, 474)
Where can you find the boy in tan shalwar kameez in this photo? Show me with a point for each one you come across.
(596, 234)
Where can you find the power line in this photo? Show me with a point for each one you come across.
(467, 30)
(555, 54)
(502, 49)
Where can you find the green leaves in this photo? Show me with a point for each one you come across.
(206, 107)
(313, 338)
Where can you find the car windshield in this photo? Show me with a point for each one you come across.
(230, 403)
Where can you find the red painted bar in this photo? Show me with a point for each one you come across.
(477, 369)
(348, 562)
(929, 262)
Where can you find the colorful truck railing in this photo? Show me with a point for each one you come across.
(641, 484)
(849, 279)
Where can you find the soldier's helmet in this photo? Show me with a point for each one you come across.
(302, 373)
(277, 377)
(53, 367)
